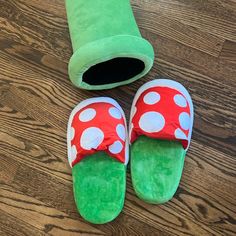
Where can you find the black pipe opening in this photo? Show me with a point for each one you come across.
(114, 70)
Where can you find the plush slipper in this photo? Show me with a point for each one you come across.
(108, 49)
(98, 153)
(160, 131)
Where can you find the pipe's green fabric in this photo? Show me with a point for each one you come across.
(102, 30)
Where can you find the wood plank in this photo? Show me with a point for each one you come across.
(228, 52)
(164, 26)
(13, 226)
(30, 24)
(38, 215)
(191, 59)
(210, 16)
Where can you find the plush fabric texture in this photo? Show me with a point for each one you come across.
(99, 184)
(162, 113)
(98, 154)
(108, 48)
(98, 127)
(160, 132)
(156, 168)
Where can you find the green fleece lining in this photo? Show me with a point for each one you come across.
(101, 31)
(156, 168)
(99, 183)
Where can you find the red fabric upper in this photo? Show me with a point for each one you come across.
(161, 113)
(98, 127)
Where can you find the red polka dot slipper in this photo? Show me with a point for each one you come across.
(161, 123)
(98, 154)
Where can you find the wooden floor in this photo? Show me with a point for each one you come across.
(195, 44)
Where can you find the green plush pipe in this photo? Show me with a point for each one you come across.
(108, 49)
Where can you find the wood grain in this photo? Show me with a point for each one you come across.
(195, 44)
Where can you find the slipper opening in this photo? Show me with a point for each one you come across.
(112, 71)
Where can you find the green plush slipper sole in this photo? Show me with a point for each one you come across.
(156, 168)
(99, 187)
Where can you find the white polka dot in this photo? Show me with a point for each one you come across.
(72, 133)
(116, 147)
(152, 122)
(87, 115)
(151, 98)
(184, 120)
(120, 130)
(72, 155)
(179, 134)
(180, 100)
(115, 112)
(91, 138)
